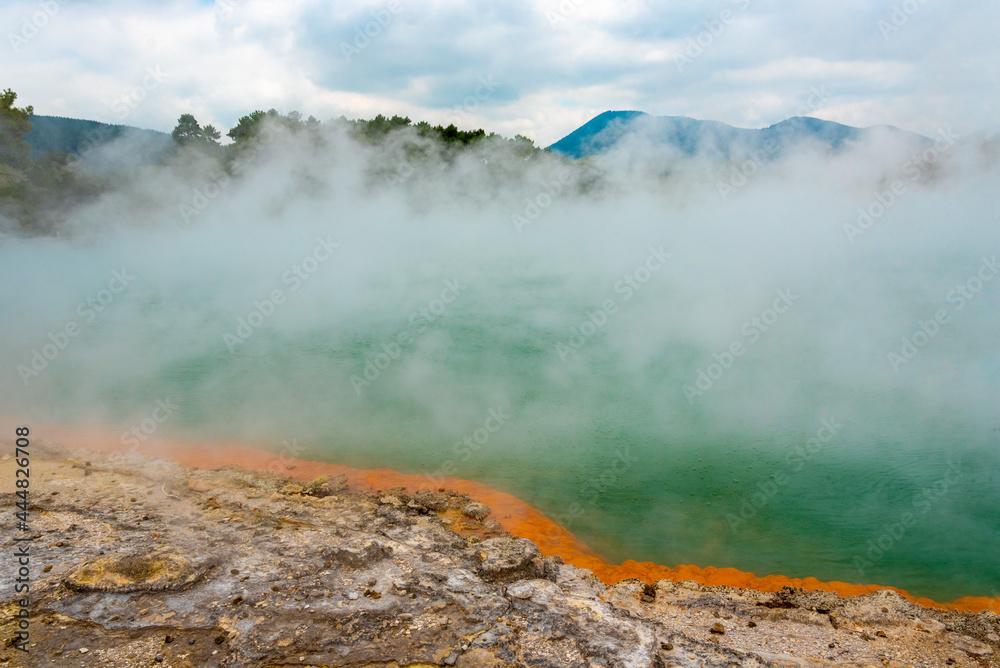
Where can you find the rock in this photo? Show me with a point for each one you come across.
(663, 660)
(509, 560)
(357, 556)
(492, 527)
(409, 592)
(521, 590)
(390, 501)
(158, 570)
(929, 624)
(196, 485)
(970, 645)
(325, 486)
(392, 514)
(476, 510)
(434, 500)
(291, 489)
(479, 658)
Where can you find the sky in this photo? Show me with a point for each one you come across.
(537, 67)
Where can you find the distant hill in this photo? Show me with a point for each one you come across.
(690, 136)
(74, 135)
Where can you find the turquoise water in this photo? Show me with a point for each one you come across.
(617, 454)
(598, 432)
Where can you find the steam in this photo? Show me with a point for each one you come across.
(459, 284)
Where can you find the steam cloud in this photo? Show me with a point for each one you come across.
(377, 308)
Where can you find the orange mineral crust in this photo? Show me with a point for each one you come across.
(514, 515)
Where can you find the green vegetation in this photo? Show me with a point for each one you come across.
(36, 192)
(189, 133)
(78, 137)
(46, 171)
(14, 124)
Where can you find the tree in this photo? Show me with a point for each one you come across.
(211, 134)
(14, 124)
(523, 146)
(452, 134)
(189, 133)
(247, 127)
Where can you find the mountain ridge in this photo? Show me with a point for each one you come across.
(691, 136)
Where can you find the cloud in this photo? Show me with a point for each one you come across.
(560, 62)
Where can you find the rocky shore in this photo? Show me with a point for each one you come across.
(141, 562)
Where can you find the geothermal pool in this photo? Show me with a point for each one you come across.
(715, 386)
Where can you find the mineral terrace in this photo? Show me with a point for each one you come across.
(138, 562)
